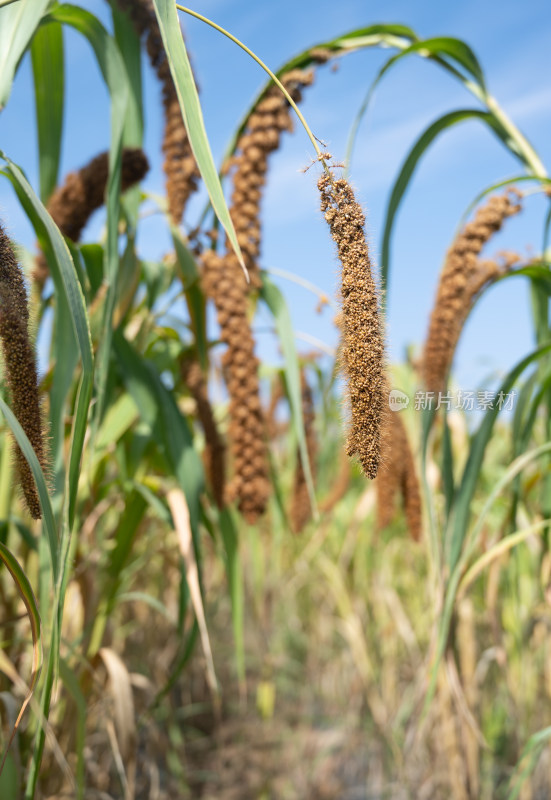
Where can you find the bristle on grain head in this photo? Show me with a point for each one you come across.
(224, 282)
(462, 277)
(83, 191)
(362, 346)
(262, 136)
(20, 368)
(180, 167)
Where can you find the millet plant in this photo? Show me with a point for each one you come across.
(140, 518)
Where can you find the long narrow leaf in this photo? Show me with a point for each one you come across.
(234, 574)
(45, 504)
(27, 595)
(193, 116)
(159, 410)
(66, 283)
(115, 76)
(278, 307)
(49, 91)
(408, 168)
(18, 23)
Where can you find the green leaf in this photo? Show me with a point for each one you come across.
(278, 307)
(191, 111)
(528, 759)
(234, 573)
(27, 595)
(408, 168)
(445, 49)
(127, 528)
(45, 504)
(66, 283)
(18, 23)
(63, 269)
(195, 298)
(118, 419)
(459, 519)
(49, 91)
(462, 507)
(158, 409)
(128, 43)
(114, 74)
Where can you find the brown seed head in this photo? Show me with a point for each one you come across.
(72, 203)
(362, 348)
(20, 368)
(224, 282)
(462, 278)
(180, 168)
(261, 137)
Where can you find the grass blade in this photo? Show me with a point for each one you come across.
(459, 519)
(410, 164)
(278, 307)
(45, 504)
(184, 82)
(234, 573)
(114, 74)
(66, 282)
(49, 89)
(18, 23)
(159, 410)
(27, 595)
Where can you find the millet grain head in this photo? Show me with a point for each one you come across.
(215, 449)
(271, 117)
(20, 369)
(180, 167)
(362, 347)
(224, 282)
(300, 511)
(83, 191)
(462, 277)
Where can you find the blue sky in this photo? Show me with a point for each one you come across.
(512, 43)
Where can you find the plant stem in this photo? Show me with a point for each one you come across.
(266, 69)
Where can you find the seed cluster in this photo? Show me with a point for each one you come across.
(362, 348)
(300, 511)
(270, 118)
(462, 277)
(224, 281)
(20, 368)
(72, 204)
(398, 475)
(215, 449)
(180, 168)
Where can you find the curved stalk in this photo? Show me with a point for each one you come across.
(274, 77)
